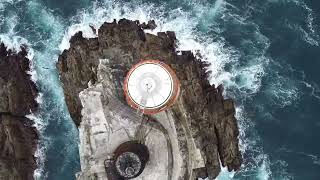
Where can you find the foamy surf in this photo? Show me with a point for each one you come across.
(243, 76)
(186, 32)
(185, 25)
(15, 43)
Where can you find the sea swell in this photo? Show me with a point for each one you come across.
(229, 34)
(190, 28)
(186, 24)
(32, 25)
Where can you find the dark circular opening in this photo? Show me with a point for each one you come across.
(128, 164)
(130, 159)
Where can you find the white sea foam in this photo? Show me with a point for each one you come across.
(45, 64)
(315, 90)
(185, 24)
(245, 79)
(308, 37)
(14, 43)
(40, 152)
(4, 3)
(309, 34)
(87, 32)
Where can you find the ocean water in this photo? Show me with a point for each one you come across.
(265, 52)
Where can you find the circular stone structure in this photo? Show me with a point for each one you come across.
(152, 86)
(128, 164)
(130, 159)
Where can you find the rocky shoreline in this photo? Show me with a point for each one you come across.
(204, 121)
(18, 136)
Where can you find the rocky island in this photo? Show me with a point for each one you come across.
(18, 136)
(186, 141)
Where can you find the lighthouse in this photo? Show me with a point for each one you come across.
(151, 86)
(118, 143)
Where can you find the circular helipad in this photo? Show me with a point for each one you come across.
(151, 86)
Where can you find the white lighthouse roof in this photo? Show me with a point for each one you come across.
(150, 85)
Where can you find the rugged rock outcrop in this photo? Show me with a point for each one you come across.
(202, 116)
(18, 138)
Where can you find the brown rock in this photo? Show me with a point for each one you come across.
(18, 137)
(151, 25)
(201, 107)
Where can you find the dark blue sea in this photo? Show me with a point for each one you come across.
(265, 52)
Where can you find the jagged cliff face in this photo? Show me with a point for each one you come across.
(204, 121)
(18, 138)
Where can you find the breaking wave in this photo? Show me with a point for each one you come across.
(225, 33)
(41, 38)
(246, 80)
(15, 43)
